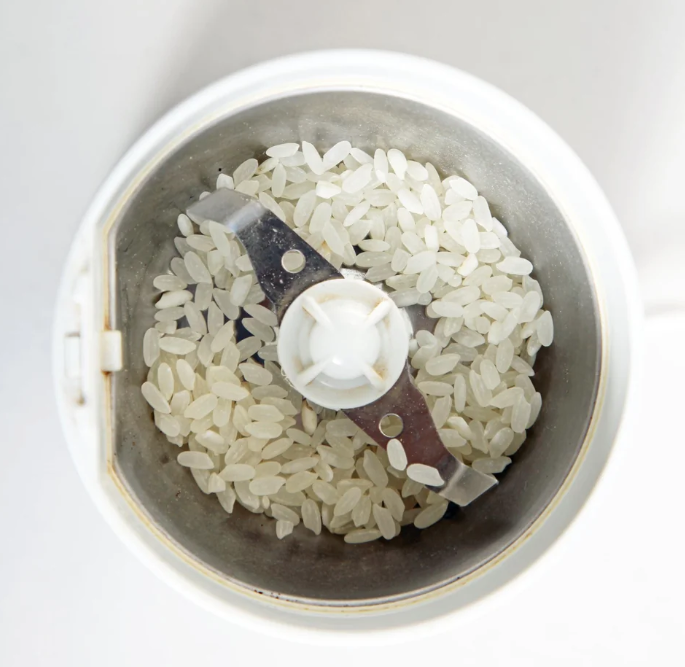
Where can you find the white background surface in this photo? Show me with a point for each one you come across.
(81, 80)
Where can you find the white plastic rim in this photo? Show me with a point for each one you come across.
(506, 122)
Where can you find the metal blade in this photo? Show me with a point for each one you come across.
(266, 239)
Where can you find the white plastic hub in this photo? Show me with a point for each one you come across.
(343, 343)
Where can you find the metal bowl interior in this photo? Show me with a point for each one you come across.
(323, 570)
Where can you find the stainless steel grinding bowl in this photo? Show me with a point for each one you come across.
(324, 570)
(316, 587)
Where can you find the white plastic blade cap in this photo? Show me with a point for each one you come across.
(343, 343)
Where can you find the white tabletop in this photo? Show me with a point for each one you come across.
(81, 80)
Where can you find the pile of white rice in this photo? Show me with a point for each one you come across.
(247, 436)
